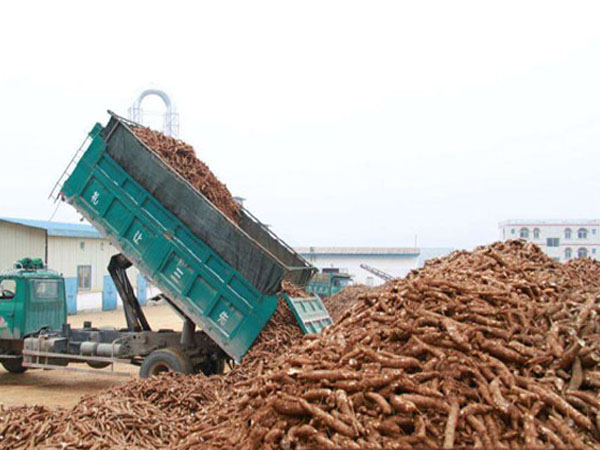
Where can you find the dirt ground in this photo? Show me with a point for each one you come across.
(65, 388)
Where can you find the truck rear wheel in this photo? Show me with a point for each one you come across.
(14, 365)
(165, 360)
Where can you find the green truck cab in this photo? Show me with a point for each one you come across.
(31, 298)
(328, 283)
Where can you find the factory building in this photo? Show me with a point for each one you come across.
(562, 240)
(360, 261)
(77, 251)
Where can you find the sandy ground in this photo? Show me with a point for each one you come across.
(65, 388)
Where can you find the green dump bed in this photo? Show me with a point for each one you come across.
(223, 276)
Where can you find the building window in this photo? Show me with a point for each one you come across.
(568, 253)
(82, 245)
(512, 231)
(582, 233)
(567, 233)
(84, 278)
(593, 251)
(582, 253)
(101, 246)
(524, 233)
(536, 233)
(593, 231)
(552, 242)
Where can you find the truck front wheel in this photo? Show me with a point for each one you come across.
(165, 360)
(14, 365)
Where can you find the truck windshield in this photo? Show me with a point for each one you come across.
(8, 288)
(344, 282)
(45, 289)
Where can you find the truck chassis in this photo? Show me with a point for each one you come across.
(188, 351)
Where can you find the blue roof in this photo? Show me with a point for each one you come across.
(78, 230)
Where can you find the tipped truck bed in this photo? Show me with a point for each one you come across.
(220, 275)
(250, 248)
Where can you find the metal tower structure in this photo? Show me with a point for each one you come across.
(170, 117)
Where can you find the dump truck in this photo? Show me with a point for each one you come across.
(326, 284)
(220, 276)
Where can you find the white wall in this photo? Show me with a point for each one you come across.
(92, 301)
(66, 253)
(18, 241)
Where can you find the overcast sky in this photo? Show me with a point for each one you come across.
(342, 123)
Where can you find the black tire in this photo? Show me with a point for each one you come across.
(165, 360)
(97, 364)
(14, 365)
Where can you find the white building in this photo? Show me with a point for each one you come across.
(75, 250)
(394, 261)
(560, 239)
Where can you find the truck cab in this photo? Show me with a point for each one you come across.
(328, 283)
(31, 298)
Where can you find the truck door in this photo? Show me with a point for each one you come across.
(46, 307)
(8, 305)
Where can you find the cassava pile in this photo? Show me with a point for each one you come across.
(339, 303)
(280, 333)
(292, 290)
(181, 157)
(139, 414)
(495, 348)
